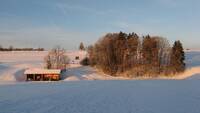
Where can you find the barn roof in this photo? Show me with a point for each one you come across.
(42, 71)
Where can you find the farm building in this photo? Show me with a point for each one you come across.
(43, 74)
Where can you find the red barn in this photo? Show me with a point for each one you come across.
(43, 74)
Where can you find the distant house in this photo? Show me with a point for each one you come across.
(42, 74)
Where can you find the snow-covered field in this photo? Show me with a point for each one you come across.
(79, 93)
(149, 96)
(13, 64)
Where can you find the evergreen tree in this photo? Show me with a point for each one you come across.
(150, 55)
(120, 50)
(177, 57)
(133, 42)
(81, 47)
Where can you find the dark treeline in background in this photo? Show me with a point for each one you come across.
(121, 54)
(11, 48)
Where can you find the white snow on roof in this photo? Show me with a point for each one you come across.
(42, 71)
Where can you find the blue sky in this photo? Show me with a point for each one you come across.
(47, 23)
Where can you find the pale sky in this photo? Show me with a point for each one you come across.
(47, 23)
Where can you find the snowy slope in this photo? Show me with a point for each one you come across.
(151, 96)
(13, 64)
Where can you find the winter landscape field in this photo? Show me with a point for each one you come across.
(84, 90)
(99, 56)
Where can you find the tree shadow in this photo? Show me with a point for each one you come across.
(19, 75)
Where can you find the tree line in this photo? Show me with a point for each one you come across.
(11, 48)
(122, 54)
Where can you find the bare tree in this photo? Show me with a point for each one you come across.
(163, 53)
(56, 59)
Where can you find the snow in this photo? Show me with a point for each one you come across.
(149, 96)
(193, 59)
(85, 90)
(13, 64)
(42, 71)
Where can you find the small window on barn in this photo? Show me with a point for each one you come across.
(77, 57)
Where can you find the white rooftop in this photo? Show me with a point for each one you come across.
(42, 71)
